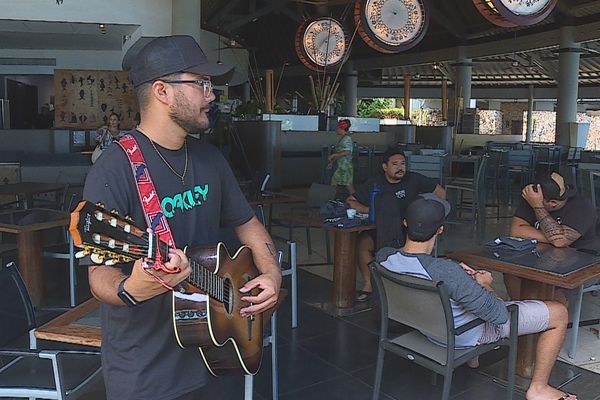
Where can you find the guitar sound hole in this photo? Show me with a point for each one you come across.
(228, 295)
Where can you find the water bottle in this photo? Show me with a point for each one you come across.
(374, 192)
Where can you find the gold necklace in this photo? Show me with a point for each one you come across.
(180, 176)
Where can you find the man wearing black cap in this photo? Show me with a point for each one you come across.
(473, 297)
(552, 212)
(197, 195)
(398, 188)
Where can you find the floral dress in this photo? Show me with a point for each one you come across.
(344, 171)
(107, 138)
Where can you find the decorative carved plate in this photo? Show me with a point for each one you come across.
(391, 26)
(511, 13)
(321, 43)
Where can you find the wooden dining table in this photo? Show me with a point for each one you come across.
(24, 191)
(28, 226)
(80, 325)
(541, 272)
(344, 258)
(270, 200)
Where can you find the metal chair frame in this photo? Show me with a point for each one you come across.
(435, 316)
(67, 383)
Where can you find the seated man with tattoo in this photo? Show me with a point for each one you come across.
(552, 212)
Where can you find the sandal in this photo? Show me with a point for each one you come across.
(363, 296)
(567, 396)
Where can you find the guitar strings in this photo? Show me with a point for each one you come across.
(141, 250)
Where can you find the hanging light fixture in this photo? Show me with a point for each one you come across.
(59, 2)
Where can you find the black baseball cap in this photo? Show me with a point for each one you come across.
(171, 54)
(554, 187)
(425, 215)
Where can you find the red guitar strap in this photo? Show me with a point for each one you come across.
(147, 193)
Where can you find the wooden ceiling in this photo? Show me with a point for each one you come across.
(501, 56)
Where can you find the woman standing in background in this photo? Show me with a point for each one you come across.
(344, 171)
(109, 133)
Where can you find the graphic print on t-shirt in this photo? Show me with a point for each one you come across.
(401, 194)
(184, 201)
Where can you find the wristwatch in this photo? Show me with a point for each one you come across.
(128, 299)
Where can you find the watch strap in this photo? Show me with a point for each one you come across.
(125, 296)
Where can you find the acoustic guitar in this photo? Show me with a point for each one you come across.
(206, 308)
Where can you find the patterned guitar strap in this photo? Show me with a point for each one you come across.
(155, 218)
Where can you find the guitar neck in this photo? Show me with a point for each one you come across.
(201, 277)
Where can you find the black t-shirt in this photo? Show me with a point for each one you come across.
(406, 191)
(140, 356)
(578, 213)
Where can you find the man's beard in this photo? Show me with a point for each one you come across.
(182, 113)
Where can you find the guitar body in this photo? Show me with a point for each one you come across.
(228, 342)
(208, 318)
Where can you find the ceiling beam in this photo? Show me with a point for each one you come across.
(217, 19)
(564, 8)
(250, 17)
(449, 24)
(589, 7)
(546, 67)
(273, 6)
(282, 8)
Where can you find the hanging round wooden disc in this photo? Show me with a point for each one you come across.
(391, 26)
(511, 13)
(321, 43)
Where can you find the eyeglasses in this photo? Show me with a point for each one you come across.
(207, 85)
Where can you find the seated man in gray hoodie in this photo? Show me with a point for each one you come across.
(472, 295)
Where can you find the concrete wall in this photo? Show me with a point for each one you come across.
(512, 117)
(153, 15)
(154, 18)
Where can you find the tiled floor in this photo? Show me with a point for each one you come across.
(334, 358)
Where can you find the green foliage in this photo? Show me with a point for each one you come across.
(246, 110)
(390, 113)
(372, 107)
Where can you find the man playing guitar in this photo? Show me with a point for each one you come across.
(198, 194)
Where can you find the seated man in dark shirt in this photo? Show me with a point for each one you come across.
(395, 181)
(552, 212)
(472, 295)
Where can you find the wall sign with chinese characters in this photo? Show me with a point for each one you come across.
(511, 13)
(86, 98)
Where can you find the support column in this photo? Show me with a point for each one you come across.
(464, 72)
(529, 116)
(350, 91)
(185, 18)
(407, 97)
(568, 82)
(444, 99)
(246, 93)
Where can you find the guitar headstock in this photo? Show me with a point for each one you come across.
(105, 236)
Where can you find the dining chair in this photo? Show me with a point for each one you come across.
(573, 159)
(33, 373)
(432, 166)
(65, 250)
(289, 268)
(575, 304)
(424, 306)
(318, 194)
(475, 202)
(548, 158)
(270, 339)
(520, 165)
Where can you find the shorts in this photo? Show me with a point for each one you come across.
(534, 317)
